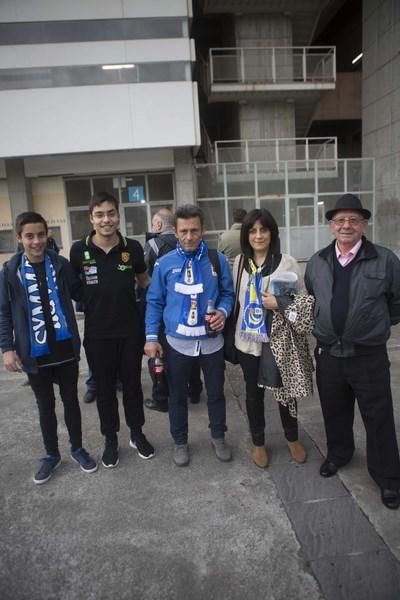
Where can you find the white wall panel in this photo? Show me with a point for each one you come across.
(98, 118)
(93, 53)
(62, 10)
(100, 162)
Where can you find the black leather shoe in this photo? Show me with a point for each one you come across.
(89, 397)
(194, 398)
(328, 469)
(391, 498)
(154, 405)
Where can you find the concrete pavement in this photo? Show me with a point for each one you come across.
(149, 530)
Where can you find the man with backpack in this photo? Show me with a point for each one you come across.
(162, 241)
(184, 286)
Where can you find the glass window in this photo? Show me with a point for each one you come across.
(135, 190)
(160, 187)
(90, 30)
(78, 192)
(80, 224)
(56, 234)
(42, 77)
(8, 243)
(135, 220)
(105, 184)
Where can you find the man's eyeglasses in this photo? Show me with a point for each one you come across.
(340, 221)
(111, 214)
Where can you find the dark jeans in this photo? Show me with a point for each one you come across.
(178, 372)
(42, 385)
(160, 395)
(340, 381)
(109, 359)
(90, 384)
(255, 403)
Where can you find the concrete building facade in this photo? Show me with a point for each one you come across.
(225, 103)
(95, 95)
(381, 111)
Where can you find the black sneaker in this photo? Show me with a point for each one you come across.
(144, 448)
(84, 460)
(110, 458)
(90, 396)
(48, 464)
(194, 398)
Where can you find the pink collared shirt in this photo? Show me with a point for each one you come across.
(345, 259)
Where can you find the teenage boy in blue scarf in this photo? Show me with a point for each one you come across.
(184, 282)
(38, 334)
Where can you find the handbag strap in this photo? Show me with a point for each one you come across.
(235, 311)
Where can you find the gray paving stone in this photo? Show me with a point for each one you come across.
(278, 450)
(366, 576)
(302, 483)
(332, 528)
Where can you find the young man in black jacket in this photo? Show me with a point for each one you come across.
(38, 333)
(109, 266)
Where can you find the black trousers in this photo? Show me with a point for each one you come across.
(255, 403)
(108, 360)
(42, 384)
(340, 381)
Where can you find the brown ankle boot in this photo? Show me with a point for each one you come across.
(259, 456)
(297, 451)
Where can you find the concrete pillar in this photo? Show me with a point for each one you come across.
(19, 188)
(184, 177)
(260, 119)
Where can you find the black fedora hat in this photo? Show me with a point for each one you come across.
(348, 202)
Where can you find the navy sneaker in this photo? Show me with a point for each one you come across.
(84, 460)
(110, 458)
(48, 464)
(144, 448)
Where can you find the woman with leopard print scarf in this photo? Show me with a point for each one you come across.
(259, 264)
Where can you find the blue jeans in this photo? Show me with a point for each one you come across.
(90, 383)
(179, 367)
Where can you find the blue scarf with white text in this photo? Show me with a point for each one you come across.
(37, 324)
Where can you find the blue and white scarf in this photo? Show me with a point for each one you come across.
(37, 324)
(253, 326)
(190, 284)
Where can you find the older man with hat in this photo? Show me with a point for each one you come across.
(356, 285)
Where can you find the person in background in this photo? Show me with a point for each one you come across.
(39, 334)
(183, 285)
(51, 242)
(229, 241)
(262, 260)
(162, 242)
(356, 285)
(109, 266)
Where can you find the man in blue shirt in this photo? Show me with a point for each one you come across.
(184, 283)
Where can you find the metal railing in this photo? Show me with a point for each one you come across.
(298, 194)
(278, 149)
(277, 64)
